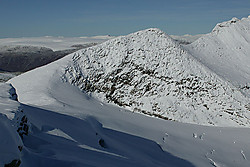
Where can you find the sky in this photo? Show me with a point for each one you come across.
(74, 18)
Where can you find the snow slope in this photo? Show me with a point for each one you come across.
(9, 138)
(226, 51)
(148, 72)
(68, 125)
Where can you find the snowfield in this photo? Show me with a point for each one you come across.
(136, 100)
(226, 51)
(77, 130)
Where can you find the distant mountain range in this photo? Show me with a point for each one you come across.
(24, 54)
(25, 58)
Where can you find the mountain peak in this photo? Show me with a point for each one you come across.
(152, 31)
(229, 23)
(150, 34)
(148, 72)
(226, 52)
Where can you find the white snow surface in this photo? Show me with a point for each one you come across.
(54, 43)
(9, 138)
(149, 72)
(67, 129)
(73, 125)
(226, 51)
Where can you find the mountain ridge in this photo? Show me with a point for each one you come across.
(225, 51)
(149, 72)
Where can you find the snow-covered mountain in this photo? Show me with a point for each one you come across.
(148, 72)
(226, 51)
(100, 106)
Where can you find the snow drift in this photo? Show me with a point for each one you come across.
(10, 141)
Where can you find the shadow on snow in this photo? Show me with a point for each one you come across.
(62, 140)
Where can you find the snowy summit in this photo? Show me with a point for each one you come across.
(148, 72)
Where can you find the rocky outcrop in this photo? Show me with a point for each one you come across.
(14, 163)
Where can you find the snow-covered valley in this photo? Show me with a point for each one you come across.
(136, 100)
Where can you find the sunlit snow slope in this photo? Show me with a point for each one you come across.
(148, 72)
(226, 51)
(74, 129)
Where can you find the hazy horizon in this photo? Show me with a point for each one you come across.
(33, 18)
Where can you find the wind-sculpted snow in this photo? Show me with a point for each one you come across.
(148, 72)
(77, 130)
(10, 142)
(226, 51)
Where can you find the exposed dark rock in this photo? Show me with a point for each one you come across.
(14, 163)
(102, 143)
(20, 148)
(22, 124)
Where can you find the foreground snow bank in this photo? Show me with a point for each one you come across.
(10, 142)
(77, 130)
(71, 128)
